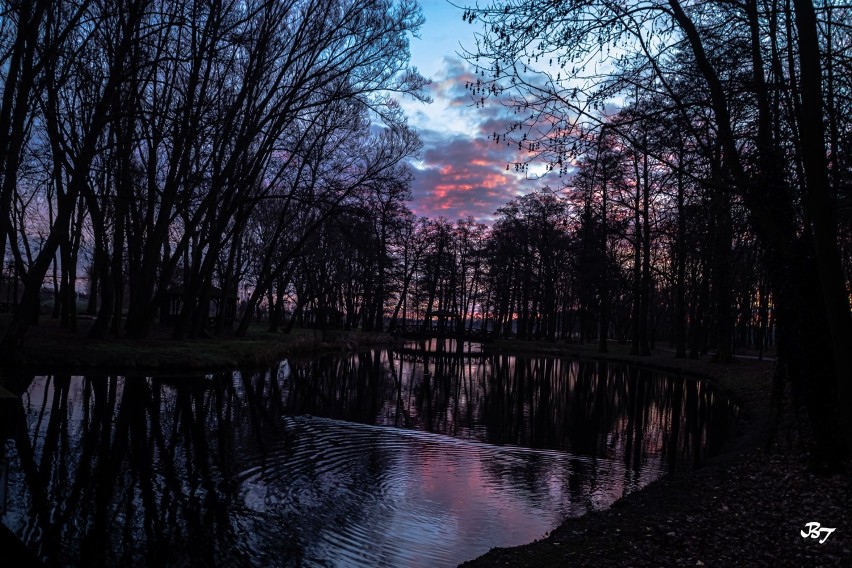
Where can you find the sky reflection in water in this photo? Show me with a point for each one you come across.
(385, 458)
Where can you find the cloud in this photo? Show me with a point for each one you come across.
(460, 176)
(452, 108)
(449, 84)
(463, 170)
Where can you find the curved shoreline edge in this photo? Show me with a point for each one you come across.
(746, 506)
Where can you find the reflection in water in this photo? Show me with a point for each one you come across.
(374, 495)
(398, 458)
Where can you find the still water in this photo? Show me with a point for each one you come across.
(409, 457)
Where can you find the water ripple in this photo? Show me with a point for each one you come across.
(375, 495)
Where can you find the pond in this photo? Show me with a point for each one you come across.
(408, 457)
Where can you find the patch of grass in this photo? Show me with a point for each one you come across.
(47, 348)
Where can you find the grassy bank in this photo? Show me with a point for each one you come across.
(47, 347)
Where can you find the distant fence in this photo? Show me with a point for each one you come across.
(414, 331)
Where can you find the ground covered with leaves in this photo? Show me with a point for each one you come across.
(746, 507)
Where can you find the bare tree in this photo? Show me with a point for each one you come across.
(535, 60)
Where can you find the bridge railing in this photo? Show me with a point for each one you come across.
(434, 331)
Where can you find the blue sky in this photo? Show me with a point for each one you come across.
(461, 171)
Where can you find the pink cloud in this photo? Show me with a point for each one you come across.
(463, 174)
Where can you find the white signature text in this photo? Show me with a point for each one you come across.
(813, 530)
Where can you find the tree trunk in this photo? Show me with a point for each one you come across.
(680, 268)
(818, 201)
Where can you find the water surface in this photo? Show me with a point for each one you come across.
(417, 457)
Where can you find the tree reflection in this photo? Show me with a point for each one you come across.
(134, 469)
(595, 409)
(137, 470)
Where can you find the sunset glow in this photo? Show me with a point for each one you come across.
(461, 170)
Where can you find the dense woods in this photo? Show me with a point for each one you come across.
(201, 165)
(178, 149)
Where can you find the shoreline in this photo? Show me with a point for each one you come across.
(49, 349)
(746, 506)
(706, 516)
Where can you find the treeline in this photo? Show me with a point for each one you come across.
(555, 265)
(179, 146)
(715, 163)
